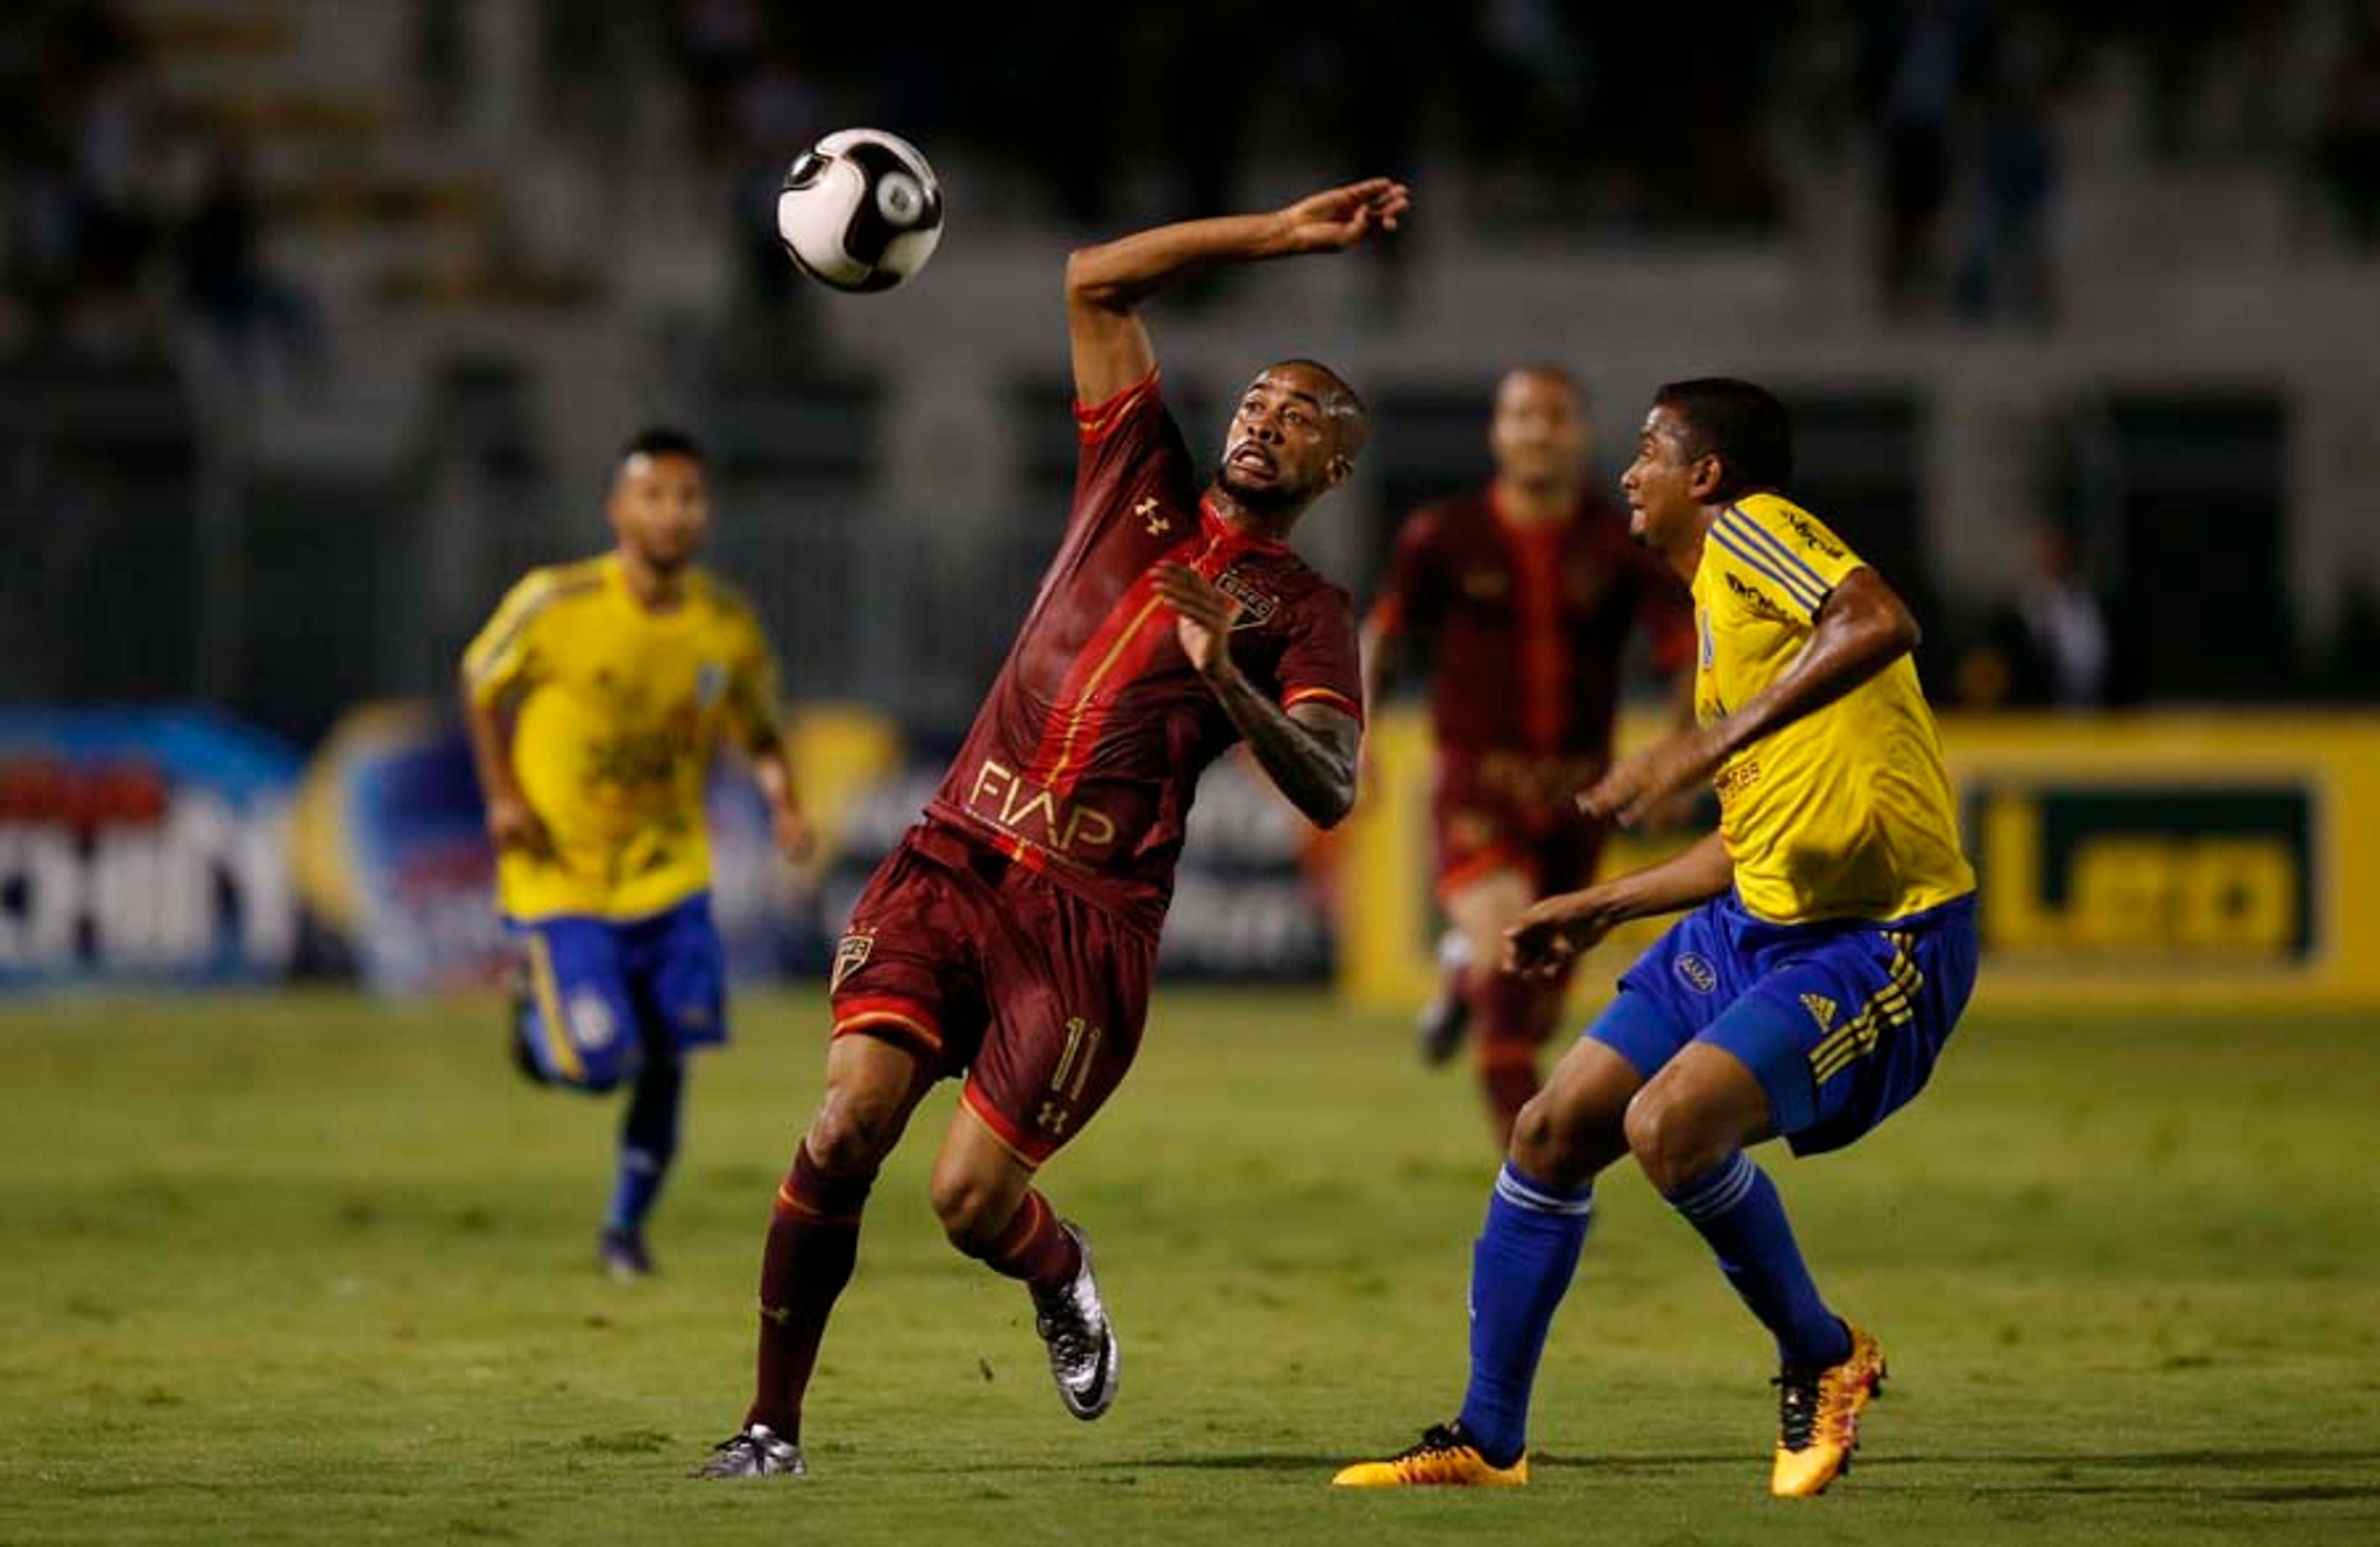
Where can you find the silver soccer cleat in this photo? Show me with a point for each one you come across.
(755, 1452)
(1084, 1359)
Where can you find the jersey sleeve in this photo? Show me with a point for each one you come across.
(1321, 664)
(755, 691)
(502, 660)
(1784, 552)
(1412, 589)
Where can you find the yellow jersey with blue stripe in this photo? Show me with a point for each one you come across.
(617, 711)
(1846, 812)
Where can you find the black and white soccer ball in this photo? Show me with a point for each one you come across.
(860, 210)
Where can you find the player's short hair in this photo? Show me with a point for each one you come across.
(1340, 403)
(1744, 426)
(1547, 371)
(663, 439)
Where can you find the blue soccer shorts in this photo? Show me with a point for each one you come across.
(1840, 1021)
(595, 993)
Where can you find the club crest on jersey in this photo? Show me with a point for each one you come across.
(1697, 974)
(1256, 608)
(851, 954)
(710, 682)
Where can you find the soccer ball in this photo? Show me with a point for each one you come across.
(860, 210)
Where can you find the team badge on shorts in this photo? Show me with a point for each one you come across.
(1696, 973)
(850, 954)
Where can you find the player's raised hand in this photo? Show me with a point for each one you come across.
(1203, 615)
(1641, 784)
(792, 832)
(1339, 218)
(1553, 930)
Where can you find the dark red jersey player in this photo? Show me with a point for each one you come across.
(1011, 936)
(1523, 596)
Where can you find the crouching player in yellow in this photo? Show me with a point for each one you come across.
(1831, 948)
(596, 698)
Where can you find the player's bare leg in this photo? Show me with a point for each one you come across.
(1689, 1128)
(984, 1196)
(1509, 1009)
(1522, 1264)
(871, 1088)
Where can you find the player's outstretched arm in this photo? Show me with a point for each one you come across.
(1553, 930)
(1861, 627)
(1107, 284)
(1309, 752)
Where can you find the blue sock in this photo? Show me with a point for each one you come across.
(648, 1141)
(1736, 1208)
(1521, 1267)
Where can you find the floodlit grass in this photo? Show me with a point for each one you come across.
(310, 1269)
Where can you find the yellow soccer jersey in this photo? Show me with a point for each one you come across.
(617, 711)
(1845, 813)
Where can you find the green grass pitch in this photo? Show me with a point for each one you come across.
(309, 1269)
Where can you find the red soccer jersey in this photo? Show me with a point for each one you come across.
(1084, 758)
(1526, 627)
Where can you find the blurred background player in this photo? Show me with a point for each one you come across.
(1013, 935)
(1521, 596)
(595, 698)
(1830, 949)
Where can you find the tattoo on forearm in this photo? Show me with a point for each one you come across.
(1313, 769)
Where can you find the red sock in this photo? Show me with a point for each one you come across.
(813, 1243)
(1033, 1247)
(1511, 1014)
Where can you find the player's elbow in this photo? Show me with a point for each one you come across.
(1088, 286)
(1329, 808)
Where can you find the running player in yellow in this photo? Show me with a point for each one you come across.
(596, 698)
(1831, 948)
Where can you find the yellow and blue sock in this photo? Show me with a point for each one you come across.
(1521, 1267)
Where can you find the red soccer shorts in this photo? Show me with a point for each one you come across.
(975, 963)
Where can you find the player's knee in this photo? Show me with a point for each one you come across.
(972, 1210)
(850, 1135)
(1671, 1138)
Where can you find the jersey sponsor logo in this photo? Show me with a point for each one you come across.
(1037, 814)
(1812, 537)
(1256, 608)
(1696, 973)
(1756, 601)
(851, 954)
(1821, 1008)
(1735, 778)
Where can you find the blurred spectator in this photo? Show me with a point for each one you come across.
(242, 303)
(2007, 268)
(1916, 59)
(2051, 645)
(2347, 145)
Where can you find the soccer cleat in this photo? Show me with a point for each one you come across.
(622, 1254)
(756, 1451)
(1438, 1031)
(1084, 1359)
(1444, 1458)
(1817, 1418)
